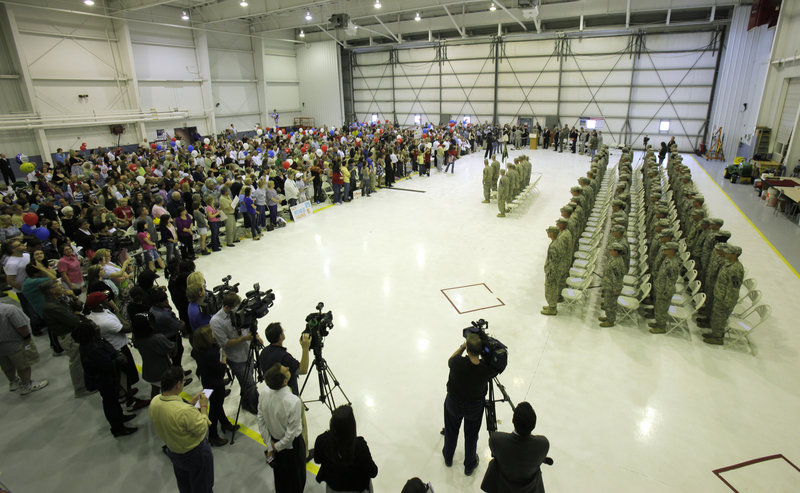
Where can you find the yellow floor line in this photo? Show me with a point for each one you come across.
(244, 430)
(748, 220)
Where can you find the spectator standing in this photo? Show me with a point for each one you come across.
(345, 461)
(211, 369)
(518, 456)
(183, 428)
(226, 206)
(17, 350)
(214, 222)
(183, 223)
(155, 350)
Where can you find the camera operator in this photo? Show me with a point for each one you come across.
(236, 344)
(276, 353)
(467, 386)
(518, 456)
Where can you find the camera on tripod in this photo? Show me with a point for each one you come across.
(213, 300)
(318, 325)
(256, 304)
(494, 352)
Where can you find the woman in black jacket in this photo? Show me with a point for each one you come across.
(211, 370)
(344, 458)
(101, 367)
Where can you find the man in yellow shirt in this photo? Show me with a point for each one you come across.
(183, 428)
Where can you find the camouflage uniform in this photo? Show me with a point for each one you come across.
(612, 284)
(495, 173)
(726, 294)
(488, 172)
(664, 287)
(502, 193)
(556, 263)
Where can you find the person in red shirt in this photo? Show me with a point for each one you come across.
(124, 212)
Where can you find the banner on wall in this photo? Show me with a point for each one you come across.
(301, 211)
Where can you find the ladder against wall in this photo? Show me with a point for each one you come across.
(715, 149)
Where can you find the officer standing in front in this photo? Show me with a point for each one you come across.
(488, 172)
(467, 386)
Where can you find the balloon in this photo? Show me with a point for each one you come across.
(174, 139)
(280, 132)
(400, 140)
(387, 121)
(258, 150)
(156, 220)
(331, 132)
(306, 158)
(245, 153)
(324, 148)
(30, 218)
(190, 148)
(27, 229)
(141, 172)
(259, 132)
(132, 167)
(380, 130)
(271, 154)
(83, 146)
(195, 153)
(290, 161)
(27, 167)
(286, 165)
(246, 146)
(359, 134)
(177, 142)
(42, 234)
(172, 143)
(424, 131)
(140, 179)
(152, 145)
(206, 141)
(159, 148)
(206, 147)
(319, 153)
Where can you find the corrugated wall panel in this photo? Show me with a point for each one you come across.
(743, 73)
(320, 76)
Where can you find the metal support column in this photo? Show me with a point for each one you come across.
(635, 49)
(257, 44)
(705, 130)
(496, 42)
(392, 62)
(123, 32)
(204, 69)
(561, 45)
(441, 51)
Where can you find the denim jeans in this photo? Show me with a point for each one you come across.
(254, 229)
(247, 384)
(214, 225)
(337, 193)
(262, 216)
(171, 252)
(472, 414)
(346, 194)
(194, 470)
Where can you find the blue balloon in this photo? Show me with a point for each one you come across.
(425, 131)
(27, 229)
(42, 234)
(245, 153)
(331, 132)
(359, 134)
(271, 154)
(190, 148)
(172, 143)
(158, 147)
(258, 150)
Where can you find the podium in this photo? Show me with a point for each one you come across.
(534, 141)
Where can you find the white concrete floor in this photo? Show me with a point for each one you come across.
(624, 410)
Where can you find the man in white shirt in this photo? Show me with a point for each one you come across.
(280, 425)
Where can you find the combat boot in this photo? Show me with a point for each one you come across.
(607, 323)
(547, 310)
(656, 329)
(717, 341)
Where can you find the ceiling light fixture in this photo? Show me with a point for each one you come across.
(244, 3)
(185, 15)
(308, 15)
(302, 34)
(377, 4)
(88, 3)
(492, 8)
(417, 17)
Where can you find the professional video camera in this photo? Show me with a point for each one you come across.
(213, 300)
(494, 352)
(317, 325)
(256, 304)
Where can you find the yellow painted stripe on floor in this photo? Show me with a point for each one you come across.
(748, 220)
(244, 430)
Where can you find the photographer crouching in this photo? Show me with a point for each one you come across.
(467, 386)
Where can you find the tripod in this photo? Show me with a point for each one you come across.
(252, 363)
(491, 412)
(324, 378)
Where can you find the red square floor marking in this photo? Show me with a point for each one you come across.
(471, 298)
(779, 457)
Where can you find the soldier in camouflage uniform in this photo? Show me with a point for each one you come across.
(707, 246)
(613, 273)
(716, 262)
(557, 262)
(488, 172)
(572, 226)
(726, 293)
(495, 173)
(664, 286)
(502, 193)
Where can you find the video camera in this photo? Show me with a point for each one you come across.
(213, 300)
(494, 352)
(256, 304)
(318, 325)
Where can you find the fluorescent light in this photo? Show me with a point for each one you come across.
(302, 34)
(185, 15)
(377, 4)
(308, 15)
(88, 2)
(243, 3)
(492, 8)
(417, 17)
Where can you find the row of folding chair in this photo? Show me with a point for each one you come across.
(520, 198)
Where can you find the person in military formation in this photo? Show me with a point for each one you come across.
(503, 193)
(495, 174)
(726, 294)
(664, 288)
(613, 273)
(572, 226)
(710, 278)
(488, 172)
(556, 268)
(618, 236)
(564, 135)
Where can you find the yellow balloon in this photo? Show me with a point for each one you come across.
(27, 167)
